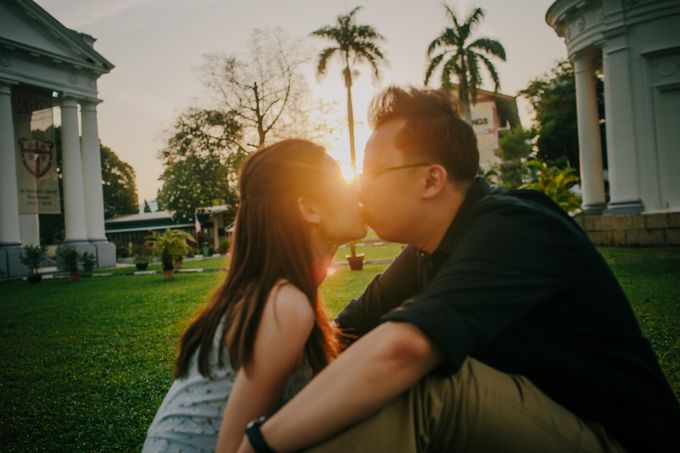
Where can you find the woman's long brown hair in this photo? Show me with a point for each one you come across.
(270, 243)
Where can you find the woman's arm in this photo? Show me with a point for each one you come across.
(286, 323)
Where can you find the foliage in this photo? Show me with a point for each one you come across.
(147, 208)
(88, 260)
(223, 247)
(352, 44)
(168, 246)
(554, 182)
(461, 58)
(142, 254)
(515, 148)
(118, 185)
(69, 258)
(194, 182)
(31, 257)
(553, 98)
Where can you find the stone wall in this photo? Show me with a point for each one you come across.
(633, 230)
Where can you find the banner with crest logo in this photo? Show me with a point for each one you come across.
(36, 156)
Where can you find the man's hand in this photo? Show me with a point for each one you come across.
(367, 376)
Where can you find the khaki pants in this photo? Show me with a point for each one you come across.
(478, 410)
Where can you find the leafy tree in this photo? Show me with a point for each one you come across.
(460, 56)
(515, 148)
(118, 185)
(553, 98)
(352, 44)
(195, 181)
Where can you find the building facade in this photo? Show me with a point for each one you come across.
(44, 65)
(635, 45)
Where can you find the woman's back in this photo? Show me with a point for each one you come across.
(191, 413)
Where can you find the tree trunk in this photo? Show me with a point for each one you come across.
(350, 126)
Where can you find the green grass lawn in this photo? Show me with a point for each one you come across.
(86, 364)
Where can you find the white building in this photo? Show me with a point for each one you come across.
(636, 45)
(44, 65)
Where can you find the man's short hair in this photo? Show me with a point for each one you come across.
(434, 128)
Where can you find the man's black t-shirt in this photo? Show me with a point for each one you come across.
(516, 284)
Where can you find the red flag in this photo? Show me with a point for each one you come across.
(197, 224)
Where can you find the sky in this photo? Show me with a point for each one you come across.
(158, 46)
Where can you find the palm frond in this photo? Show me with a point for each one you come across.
(490, 46)
(434, 62)
(474, 18)
(324, 56)
(473, 71)
(492, 72)
(452, 15)
(367, 32)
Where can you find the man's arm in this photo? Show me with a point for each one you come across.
(388, 290)
(375, 370)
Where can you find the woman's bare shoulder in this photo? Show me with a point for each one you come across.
(290, 306)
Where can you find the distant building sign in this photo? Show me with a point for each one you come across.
(484, 118)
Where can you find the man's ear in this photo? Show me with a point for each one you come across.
(435, 181)
(309, 210)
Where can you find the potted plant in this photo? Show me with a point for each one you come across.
(31, 257)
(142, 257)
(168, 246)
(88, 260)
(356, 261)
(69, 258)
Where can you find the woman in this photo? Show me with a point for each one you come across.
(264, 332)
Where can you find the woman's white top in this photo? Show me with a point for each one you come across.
(190, 416)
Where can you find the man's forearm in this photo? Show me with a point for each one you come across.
(376, 369)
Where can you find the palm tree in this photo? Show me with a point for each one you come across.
(352, 44)
(461, 58)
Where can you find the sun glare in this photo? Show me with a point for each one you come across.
(332, 90)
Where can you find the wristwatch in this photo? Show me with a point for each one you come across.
(255, 436)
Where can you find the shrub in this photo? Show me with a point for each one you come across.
(555, 182)
(32, 256)
(223, 247)
(169, 246)
(88, 261)
(69, 257)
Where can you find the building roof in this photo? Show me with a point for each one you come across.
(143, 216)
(58, 43)
(145, 221)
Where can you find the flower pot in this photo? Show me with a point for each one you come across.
(141, 266)
(34, 278)
(356, 263)
(169, 275)
(74, 277)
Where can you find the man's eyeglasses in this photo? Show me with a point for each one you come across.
(376, 173)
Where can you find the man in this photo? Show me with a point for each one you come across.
(498, 328)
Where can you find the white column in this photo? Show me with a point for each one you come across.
(624, 181)
(9, 197)
(590, 148)
(74, 201)
(92, 173)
